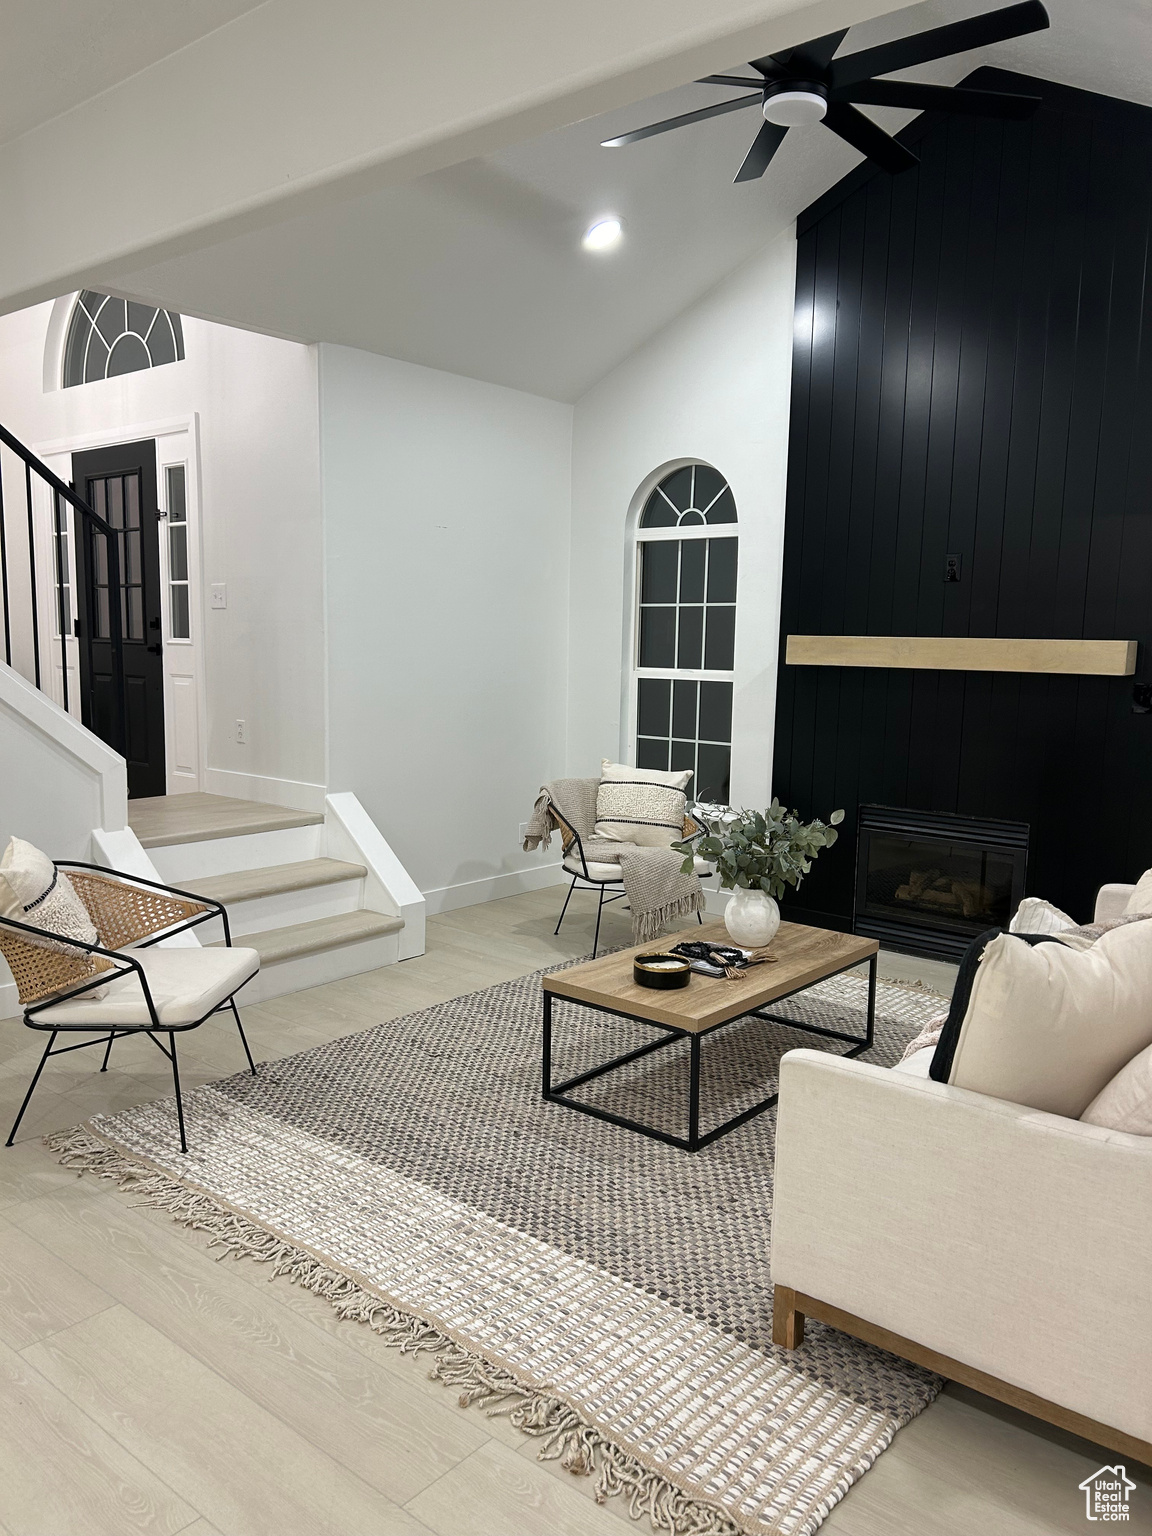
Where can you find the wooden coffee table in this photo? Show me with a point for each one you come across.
(804, 957)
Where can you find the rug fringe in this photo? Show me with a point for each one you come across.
(579, 1447)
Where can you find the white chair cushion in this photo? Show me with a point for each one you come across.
(606, 873)
(185, 985)
(612, 873)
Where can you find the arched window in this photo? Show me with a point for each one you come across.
(108, 336)
(685, 628)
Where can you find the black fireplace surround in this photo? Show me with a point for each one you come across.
(929, 884)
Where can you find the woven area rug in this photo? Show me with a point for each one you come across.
(610, 1293)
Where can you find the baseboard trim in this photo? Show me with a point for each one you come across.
(790, 1308)
(470, 893)
(293, 794)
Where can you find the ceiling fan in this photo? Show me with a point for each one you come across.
(809, 84)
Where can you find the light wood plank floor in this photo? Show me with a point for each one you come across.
(146, 1388)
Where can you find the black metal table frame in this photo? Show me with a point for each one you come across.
(556, 1093)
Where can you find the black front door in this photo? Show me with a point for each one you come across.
(119, 484)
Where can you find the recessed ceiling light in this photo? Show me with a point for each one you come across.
(603, 235)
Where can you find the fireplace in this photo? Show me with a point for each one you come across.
(929, 884)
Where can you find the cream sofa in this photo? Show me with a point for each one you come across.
(1004, 1248)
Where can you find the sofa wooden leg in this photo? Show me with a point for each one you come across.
(787, 1322)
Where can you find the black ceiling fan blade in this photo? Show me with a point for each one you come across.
(759, 157)
(751, 85)
(938, 98)
(680, 122)
(938, 42)
(815, 56)
(863, 134)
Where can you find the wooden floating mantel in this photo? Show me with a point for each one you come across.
(943, 653)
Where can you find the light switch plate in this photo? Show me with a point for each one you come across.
(219, 594)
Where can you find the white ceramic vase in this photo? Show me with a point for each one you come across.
(751, 918)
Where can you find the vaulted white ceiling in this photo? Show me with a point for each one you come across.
(478, 268)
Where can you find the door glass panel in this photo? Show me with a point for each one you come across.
(177, 504)
(178, 552)
(179, 600)
(180, 618)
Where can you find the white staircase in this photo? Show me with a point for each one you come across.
(306, 890)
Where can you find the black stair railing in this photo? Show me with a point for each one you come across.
(99, 630)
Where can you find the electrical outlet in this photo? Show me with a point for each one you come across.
(219, 594)
(241, 732)
(953, 565)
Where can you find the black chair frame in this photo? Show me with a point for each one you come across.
(125, 965)
(584, 879)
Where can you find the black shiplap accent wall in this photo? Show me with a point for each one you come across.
(972, 375)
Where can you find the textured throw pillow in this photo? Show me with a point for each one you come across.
(640, 805)
(45, 898)
(1141, 898)
(1036, 916)
(1125, 1104)
(1037, 1023)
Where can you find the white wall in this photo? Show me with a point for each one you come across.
(253, 401)
(446, 506)
(712, 386)
(58, 782)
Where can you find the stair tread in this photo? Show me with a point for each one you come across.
(271, 880)
(163, 820)
(323, 933)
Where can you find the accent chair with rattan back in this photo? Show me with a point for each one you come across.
(124, 984)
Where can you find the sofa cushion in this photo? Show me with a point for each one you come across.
(1037, 1023)
(1125, 1103)
(640, 805)
(1141, 897)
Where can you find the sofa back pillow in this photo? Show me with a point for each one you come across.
(1037, 1023)
(1141, 897)
(640, 805)
(1125, 1103)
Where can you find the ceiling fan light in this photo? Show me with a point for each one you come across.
(795, 107)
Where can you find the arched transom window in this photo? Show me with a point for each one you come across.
(685, 628)
(108, 336)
